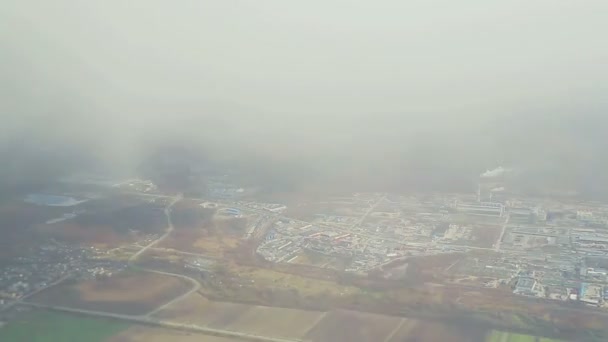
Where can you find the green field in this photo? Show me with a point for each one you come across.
(501, 336)
(43, 326)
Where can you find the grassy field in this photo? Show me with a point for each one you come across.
(306, 286)
(131, 293)
(313, 259)
(350, 326)
(259, 320)
(43, 326)
(216, 245)
(501, 336)
(149, 334)
(286, 323)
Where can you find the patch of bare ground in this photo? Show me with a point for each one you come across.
(485, 235)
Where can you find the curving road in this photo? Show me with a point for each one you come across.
(195, 284)
(195, 287)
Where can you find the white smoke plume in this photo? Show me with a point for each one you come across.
(497, 172)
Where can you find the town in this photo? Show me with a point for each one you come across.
(92, 234)
(542, 248)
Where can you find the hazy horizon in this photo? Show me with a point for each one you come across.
(387, 93)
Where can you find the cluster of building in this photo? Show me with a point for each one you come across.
(549, 249)
(49, 264)
(369, 231)
(541, 248)
(233, 212)
(139, 185)
(221, 188)
(528, 286)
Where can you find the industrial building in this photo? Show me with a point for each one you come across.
(482, 208)
(528, 286)
(231, 211)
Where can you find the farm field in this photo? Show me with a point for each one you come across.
(437, 331)
(45, 326)
(346, 326)
(257, 320)
(501, 336)
(149, 334)
(285, 322)
(335, 326)
(131, 293)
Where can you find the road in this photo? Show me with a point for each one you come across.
(178, 252)
(392, 334)
(170, 228)
(195, 287)
(502, 234)
(369, 211)
(195, 284)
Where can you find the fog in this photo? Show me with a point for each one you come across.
(390, 94)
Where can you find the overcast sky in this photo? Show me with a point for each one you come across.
(299, 77)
